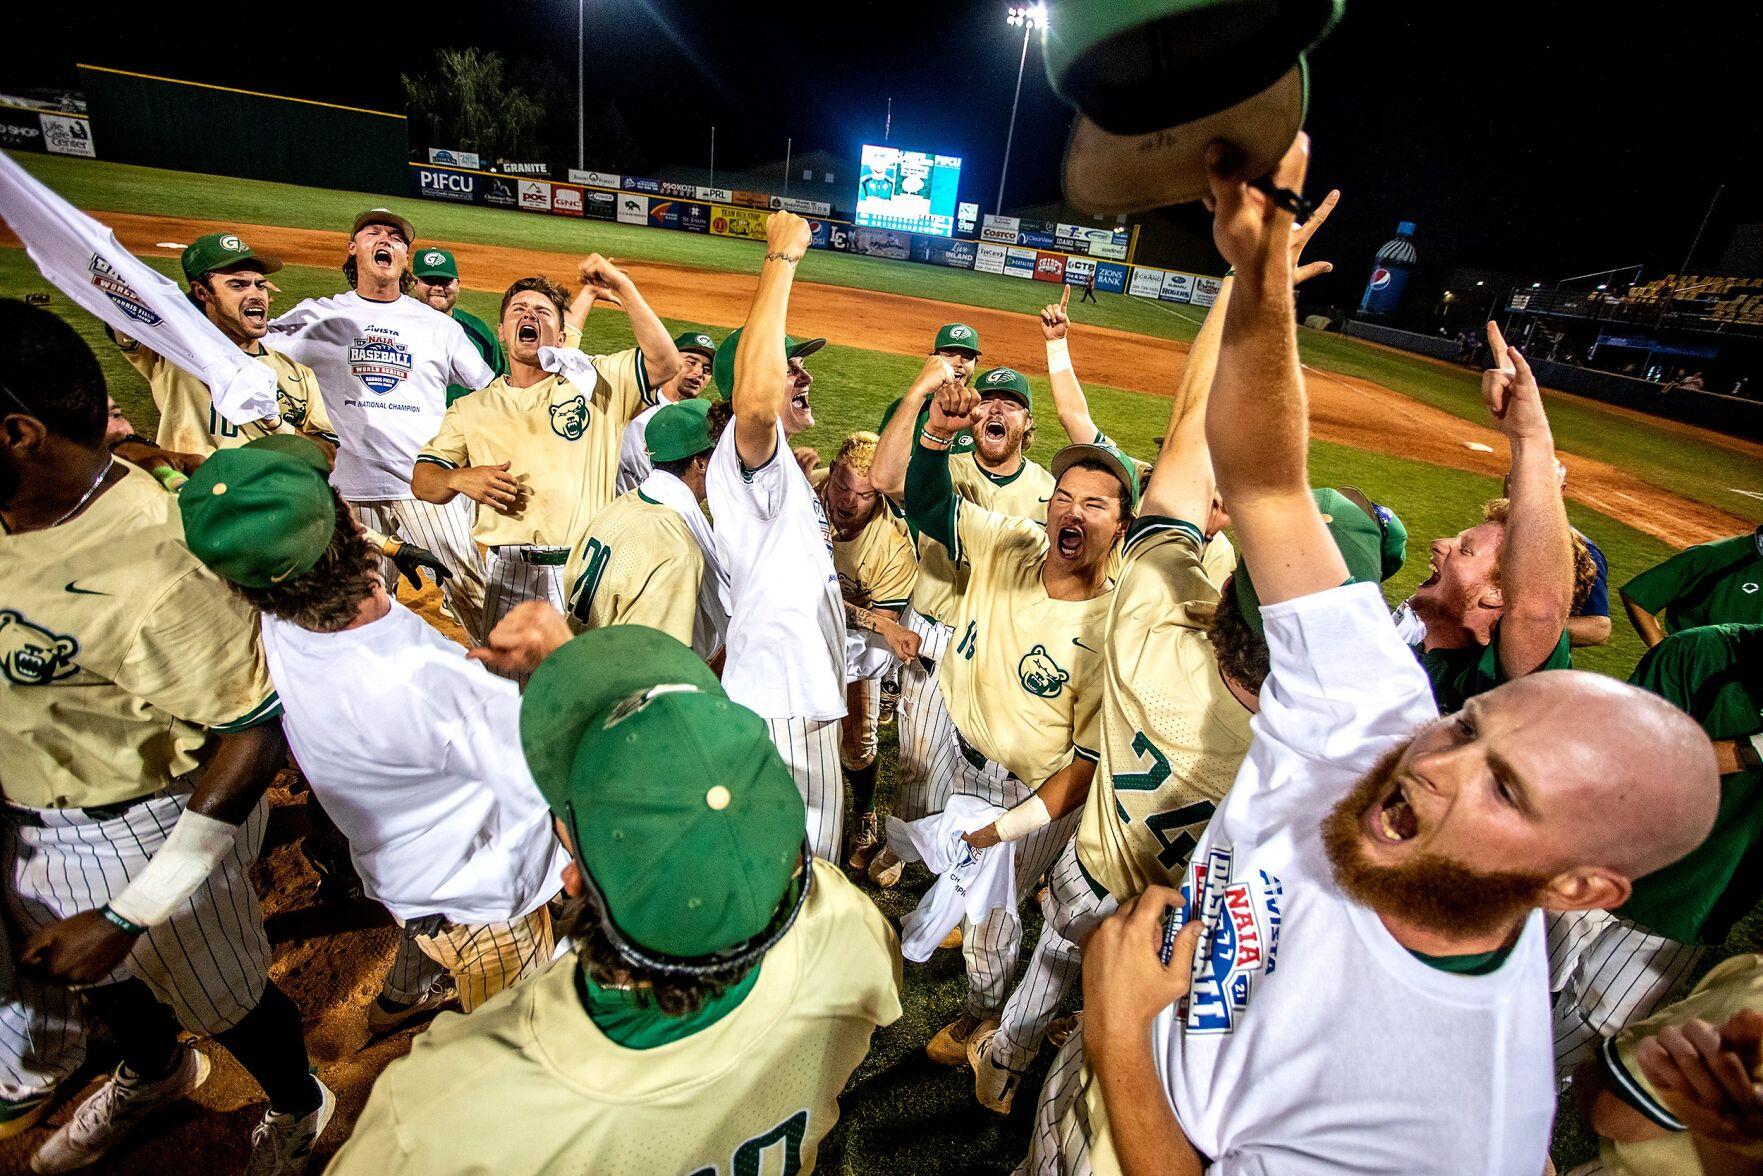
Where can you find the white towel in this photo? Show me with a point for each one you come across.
(970, 882)
(82, 259)
(573, 365)
(711, 626)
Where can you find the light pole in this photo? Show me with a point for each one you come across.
(1030, 17)
(581, 109)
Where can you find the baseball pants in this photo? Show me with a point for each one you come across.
(924, 723)
(446, 531)
(518, 574)
(42, 1032)
(209, 962)
(1070, 1120)
(857, 730)
(483, 959)
(810, 749)
(1071, 911)
(1606, 973)
(991, 950)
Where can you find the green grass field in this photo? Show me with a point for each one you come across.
(902, 1113)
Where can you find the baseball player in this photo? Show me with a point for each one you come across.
(230, 282)
(384, 361)
(696, 355)
(437, 283)
(1611, 968)
(537, 450)
(444, 826)
(786, 631)
(1713, 583)
(876, 566)
(1361, 960)
(139, 740)
(722, 984)
(1021, 682)
(650, 557)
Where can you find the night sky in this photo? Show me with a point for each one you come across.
(1546, 138)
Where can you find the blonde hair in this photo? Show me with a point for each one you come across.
(1585, 569)
(857, 454)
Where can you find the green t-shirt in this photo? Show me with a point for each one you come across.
(484, 339)
(1718, 583)
(1458, 675)
(1716, 674)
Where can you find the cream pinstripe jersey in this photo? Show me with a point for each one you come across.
(878, 568)
(637, 565)
(188, 422)
(1023, 495)
(1173, 736)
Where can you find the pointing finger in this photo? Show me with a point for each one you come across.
(1497, 341)
(1064, 297)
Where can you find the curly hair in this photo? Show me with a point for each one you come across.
(675, 996)
(328, 597)
(1585, 568)
(557, 294)
(1241, 652)
(406, 280)
(721, 413)
(857, 454)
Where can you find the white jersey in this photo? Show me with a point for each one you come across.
(417, 758)
(786, 629)
(633, 454)
(1298, 990)
(383, 368)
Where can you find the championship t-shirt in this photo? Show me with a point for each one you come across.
(528, 1083)
(383, 368)
(1458, 675)
(483, 337)
(418, 761)
(1312, 1041)
(1715, 673)
(786, 629)
(188, 421)
(1713, 583)
(120, 654)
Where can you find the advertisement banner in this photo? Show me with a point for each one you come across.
(1177, 287)
(819, 234)
(446, 158)
(1000, 228)
(802, 207)
(1111, 277)
(497, 192)
(566, 200)
(535, 195)
(1035, 239)
(714, 195)
(940, 251)
(694, 218)
(1079, 271)
(1146, 283)
(966, 217)
(1114, 248)
(750, 200)
(641, 184)
(1206, 291)
(989, 259)
(633, 210)
(727, 221)
(603, 205)
(1064, 230)
(1049, 267)
(1019, 263)
(542, 170)
(20, 130)
(432, 183)
(678, 191)
(882, 243)
(664, 214)
(65, 135)
(596, 179)
(1070, 244)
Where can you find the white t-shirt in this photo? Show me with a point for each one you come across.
(633, 454)
(786, 628)
(383, 368)
(970, 884)
(414, 751)
(1313, 1042)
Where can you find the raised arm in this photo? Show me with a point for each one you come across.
(894, 451)
(930, 495)
(599, 276)
(1068, 395)
(1256, 422)
(762, 374)
(1536, 577)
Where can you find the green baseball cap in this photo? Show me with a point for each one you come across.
(956, 337)
(678, 431)
(962, 442)
(1394, 548)
(261, 513)
(1156, 81)
(684, 819)
(1358, 534)
(1118, 463)
(722, 366)
(435, 263)
(385, 216)
(224, 251)
(696, 341)
(1003, 381)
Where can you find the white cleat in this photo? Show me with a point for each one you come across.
(113, 1111)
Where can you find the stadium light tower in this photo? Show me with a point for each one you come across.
(1030, 17)
(581, 110)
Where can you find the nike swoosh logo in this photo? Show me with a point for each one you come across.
(1080, 644)
(84, 591)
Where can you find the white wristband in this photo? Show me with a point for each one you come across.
(1058, 356)
(1024, 819)
(189, 855)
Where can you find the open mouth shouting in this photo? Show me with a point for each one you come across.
(995, 430)
(1068, 540)
(1393, 819)
(527, 333)
(254, 313)
(383, 256)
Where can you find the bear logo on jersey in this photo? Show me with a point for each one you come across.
(569, 420)
(31, 655)
(380, 362)
(1040, 674)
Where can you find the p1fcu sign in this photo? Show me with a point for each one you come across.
(435, 183)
